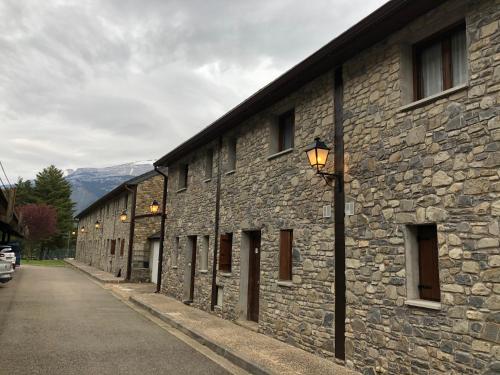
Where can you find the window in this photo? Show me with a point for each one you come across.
(286, 125)
(209, 164)
(231, 155)
(183, 176)
(226, 244)
(422, 262)
(286, 241)
(175, 253)
(126, 201)
(113, 247)
(440, 63)
(204, 253)
(122, 247)
(220, 294)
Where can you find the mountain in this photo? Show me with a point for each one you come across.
(90, 184)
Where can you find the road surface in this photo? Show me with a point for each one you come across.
(55, 320)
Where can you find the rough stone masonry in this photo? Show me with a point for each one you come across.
(408, 162)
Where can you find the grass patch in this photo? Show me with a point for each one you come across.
(47, 263)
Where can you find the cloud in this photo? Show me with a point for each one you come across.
(89, 83)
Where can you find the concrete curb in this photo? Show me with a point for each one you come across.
(238, 359)
(102, 281)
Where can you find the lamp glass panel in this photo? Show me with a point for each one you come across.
(311, 155)
(154, 208)
(322, 157)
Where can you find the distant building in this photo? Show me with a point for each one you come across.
(10, 223)
(114, 231)
(395, 270)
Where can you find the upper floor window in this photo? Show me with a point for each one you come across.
(286, 127)
(440, 63)
(231, 155)
(183, 176)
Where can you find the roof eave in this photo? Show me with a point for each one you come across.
(384, 21)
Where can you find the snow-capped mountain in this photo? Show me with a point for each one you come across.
(89, 184)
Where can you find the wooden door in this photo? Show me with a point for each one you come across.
(153, 260)
(193, 267)
(113, 247)
(428, 263)
(254, 277)
(189, 269)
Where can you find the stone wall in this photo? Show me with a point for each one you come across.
(94, 245)
(437, 162)
(145, 226)
(190, 212)
(265, 192)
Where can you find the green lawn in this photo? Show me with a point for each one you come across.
(49, 263)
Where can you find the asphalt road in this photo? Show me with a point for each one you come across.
(54, 320)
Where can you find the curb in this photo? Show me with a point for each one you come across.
(237, 359)
(92, 275)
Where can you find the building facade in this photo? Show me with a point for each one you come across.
(396, 269)
(114, 231)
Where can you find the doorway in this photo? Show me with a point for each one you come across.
(153, 260)
(253, 276)
(189, 270)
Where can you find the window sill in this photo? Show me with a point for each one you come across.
(225, 274)
(286, 284)
(232, 171)
(423, 303)
(181, 190)
(174, 267)
(429, 99)
(278, 154)
(207, 179)
(203, 271)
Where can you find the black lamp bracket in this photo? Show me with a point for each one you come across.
(331, 178)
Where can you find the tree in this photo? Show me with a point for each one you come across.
(52, 189)
(41, 223)
(24, 192)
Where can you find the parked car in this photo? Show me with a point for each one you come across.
(7, 254)
(6, 271)
(16, 247)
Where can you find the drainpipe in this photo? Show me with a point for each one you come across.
(339, 207)
(216, 225)
(162, 228)
(133, 190)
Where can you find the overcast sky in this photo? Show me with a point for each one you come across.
(91, 83)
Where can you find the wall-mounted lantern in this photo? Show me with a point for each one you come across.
(317, 154)
(82, 230)
(154, 207)
(123, 216)
(73, 233)
(97, 224)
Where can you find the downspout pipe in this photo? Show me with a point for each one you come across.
(133, 190)
(216, 225)
(162, 227)
(339, 207)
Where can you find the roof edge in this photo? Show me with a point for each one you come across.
(384, 21)
(117, 190)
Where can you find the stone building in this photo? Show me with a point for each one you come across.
(114, 231)
(396, 268)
